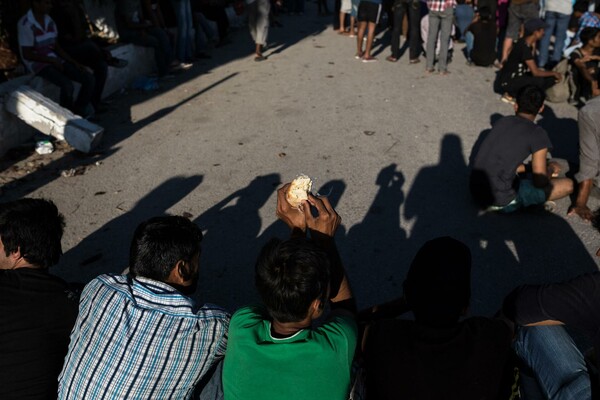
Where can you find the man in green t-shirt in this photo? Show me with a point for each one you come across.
(275, 351)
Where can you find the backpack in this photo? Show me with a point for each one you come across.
(565, 89)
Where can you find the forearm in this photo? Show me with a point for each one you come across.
(583, 193)
(391, 309)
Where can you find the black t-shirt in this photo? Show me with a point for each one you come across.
(484, 45)
(515, 65)
(493, 172)
(406, 360)
(37, 313)
(70, 23)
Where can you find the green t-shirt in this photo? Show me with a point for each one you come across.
(312, 364)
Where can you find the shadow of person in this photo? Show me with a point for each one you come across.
(107, 249)
(563, 133)
(230, 245)
(374, 246)
(508, 249)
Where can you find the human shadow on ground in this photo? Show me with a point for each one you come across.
(508, 250)
(230, 245)
(564, 135)
(107, 248)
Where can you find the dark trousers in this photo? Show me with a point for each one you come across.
(157, 39)
(218, 15)
(63, 79)
(513, 86)
(337, 5)
(414, 34)
(89, 54)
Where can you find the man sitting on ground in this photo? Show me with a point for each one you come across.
(276, 351)
(436, 356)
(43, 56)
(589, 157)
(495, 183)
(37, 310)
(520, 68)
(140, 336)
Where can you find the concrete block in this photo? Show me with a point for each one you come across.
(51, 119)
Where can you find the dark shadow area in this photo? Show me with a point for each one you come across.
(231, 243)
(107, 249)
(564, 135)
(508, 250)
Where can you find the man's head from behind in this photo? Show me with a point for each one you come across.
(41, 6)
(292, 279)
(30, 233)
(438, 284)
(167, 249)
(530, 100)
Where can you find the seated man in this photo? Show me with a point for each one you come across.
(520, 69)
(133, 28)
(481, 39)
(436, 356)
(585, 61)
(275, 351)
(544, 345)
(494, 182)
(73, 36)
(589, 157)
(43, 56)
(140, 336)
(37, 310)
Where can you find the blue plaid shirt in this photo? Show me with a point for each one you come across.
(136, 338)
(588, 20)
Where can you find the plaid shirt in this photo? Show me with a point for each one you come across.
(440, 5)
(588, 20)
(137, 338)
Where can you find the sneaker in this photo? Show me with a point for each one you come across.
(508, 99)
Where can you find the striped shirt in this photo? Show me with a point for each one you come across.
(41, 38)
(137, 338)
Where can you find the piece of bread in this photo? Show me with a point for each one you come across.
(298, 191)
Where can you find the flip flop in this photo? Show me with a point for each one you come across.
(369, 60)
(391, 59)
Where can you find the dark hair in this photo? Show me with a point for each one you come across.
(159, 243)
(581, 6)
(485, 13)
(34, 227)
(290, 275)
(588, 34)
(438, 283)
(530, 99)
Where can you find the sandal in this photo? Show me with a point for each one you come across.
(260, 58)
(369, 59)
(414, 61)
(391, 59)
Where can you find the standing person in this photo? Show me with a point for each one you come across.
(412, 9)
(42, 55)
(368, 15)
(185, 25)
(495, 183)
(258, 22)
(519, 12)
(277, 351)
(37, 309)
(589, 157)
(345, 9)
(520, 68)
(558, 14)
(441, 14)
(463, 14)
(140, 336)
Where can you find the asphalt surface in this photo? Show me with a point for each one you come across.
(389, 145)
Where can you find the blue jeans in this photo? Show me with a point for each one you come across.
(557, 25)
(463, 14)
(204, 32)
(183, 13)
(469, 40)
(556, 362)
